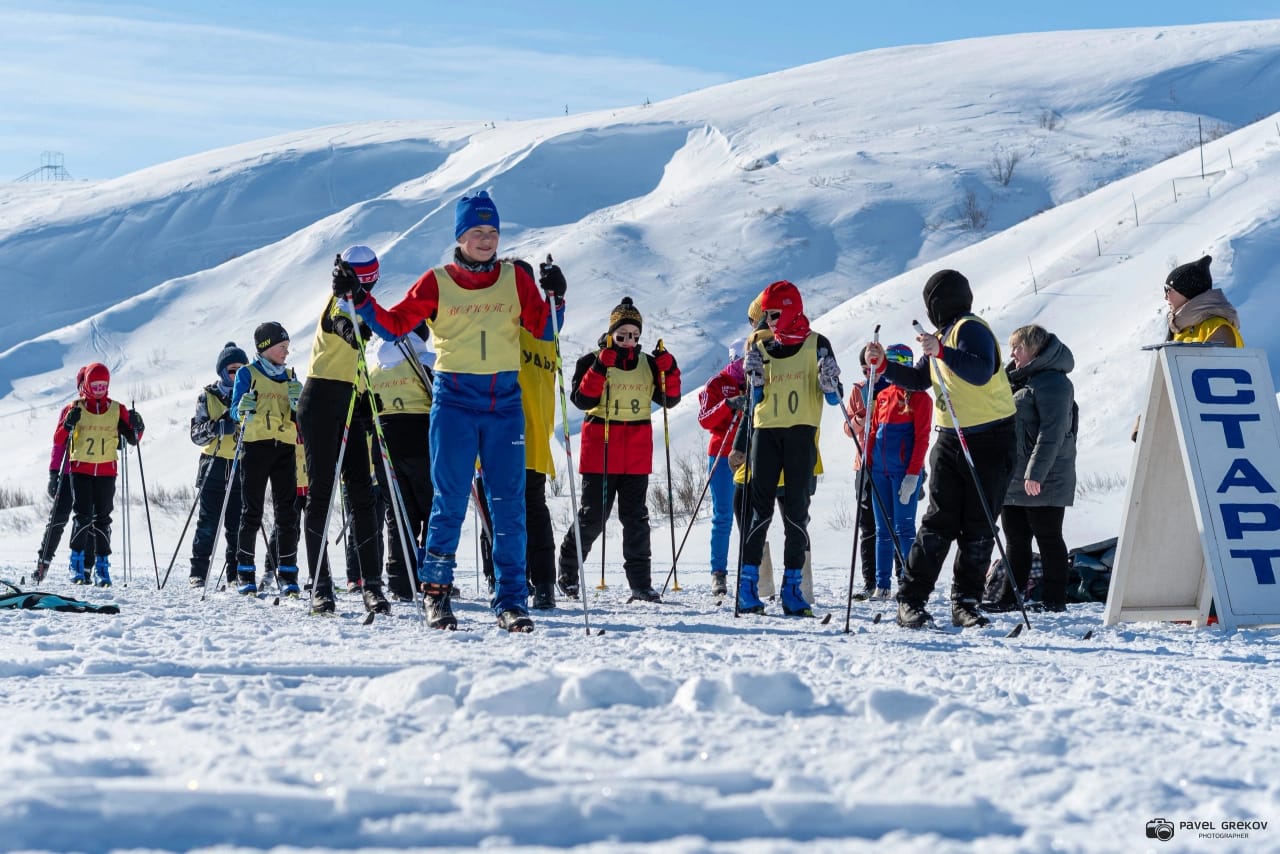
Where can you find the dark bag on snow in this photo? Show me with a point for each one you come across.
(34, 600)
(1089, 571)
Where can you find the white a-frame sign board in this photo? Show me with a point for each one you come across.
(1202, 518)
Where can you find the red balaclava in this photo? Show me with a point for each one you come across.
(792, 327)
(95, 373)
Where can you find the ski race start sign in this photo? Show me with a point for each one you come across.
(1201, 524)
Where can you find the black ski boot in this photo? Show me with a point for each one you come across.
(42, 569)
(374, 601)
(644, 594)
(719, 584)
(514, 621)
(322, 602)
(435, 601)
(965, 613)
(544, 596)
(912, 615)
(568, 585)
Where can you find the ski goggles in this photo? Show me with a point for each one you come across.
(898, 357)
(98, 388)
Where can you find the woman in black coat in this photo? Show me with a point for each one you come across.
(1043, 485)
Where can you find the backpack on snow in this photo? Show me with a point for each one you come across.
(35, 600)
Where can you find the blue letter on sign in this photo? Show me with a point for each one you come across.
(1261, 562)
(1201, 378)
(1243, 473)
(1235, 525)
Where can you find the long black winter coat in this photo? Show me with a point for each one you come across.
(1046, 424)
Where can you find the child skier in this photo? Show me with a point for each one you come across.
(332, 379)
(476, 306)
(89, 433)
(404, 389)
(900, 424)
(616, 386)
(263, 401)
(59, 491)
(721, 404)
(213, 429)
(789, 387)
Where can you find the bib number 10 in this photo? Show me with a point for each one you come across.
(793, 402)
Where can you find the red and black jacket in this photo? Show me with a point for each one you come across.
(630, 442)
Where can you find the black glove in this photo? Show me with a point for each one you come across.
(73, 418)
(738, 402)
(135, 420)
(551, 279)
(52, 489)
(225, 426)
(346, 330)
(346, 284)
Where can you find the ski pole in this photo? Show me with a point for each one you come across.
(604, 480)
(568, 453)
(746, 508)
(226, 499)
(204, 475)
(46, 542)
(868, 402)
(729, 435)
(977, 484)
(146, 507)
(126, 535)
(671, 508)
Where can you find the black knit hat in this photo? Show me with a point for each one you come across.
(625, 313)
(1192, 279)
(946, 297)
(230, 355)
(268, 335)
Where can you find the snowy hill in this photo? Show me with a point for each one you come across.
(185, 723)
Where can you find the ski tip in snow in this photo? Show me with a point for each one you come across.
(1015, 631)
(877, 617)
(825, 620)
(368, 619)
(275, 601)
(1087, 635)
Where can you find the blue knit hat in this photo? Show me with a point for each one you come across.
(230, 355)
(472, 211)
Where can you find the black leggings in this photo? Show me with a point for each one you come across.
(1020, 525)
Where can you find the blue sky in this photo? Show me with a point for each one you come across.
(118, 86)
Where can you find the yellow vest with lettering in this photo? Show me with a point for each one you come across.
(1201, 331)
(974, 404)
(300, 465)
(400, 389)
(332, 358)
(272, 419)
(96, 437)
(477, 332)
(791, 393)
(629, 394)
(219, 446)
(537, 391)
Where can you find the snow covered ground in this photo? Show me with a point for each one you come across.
(180, 724)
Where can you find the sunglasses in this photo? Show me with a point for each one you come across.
(1167, 289)
(773, 316)
(626, 336)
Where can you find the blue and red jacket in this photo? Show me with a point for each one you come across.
(900, 424)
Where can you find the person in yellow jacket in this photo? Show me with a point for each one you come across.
(1198, 312)
(964, 357)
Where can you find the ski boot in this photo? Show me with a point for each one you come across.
(196, 581)
(374, 601)
(77, 568)
(102, 572)
(42, 569)
(287, 577)
(644, 594)
(322, 602)
(567, 583)
(965, 613)
(436, 602)
(793, 603)
(748, 599)
(247, 584)
(912, 615)
(544, 596)
(515, 621)
(719, 584)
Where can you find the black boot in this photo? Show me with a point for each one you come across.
(965, 613)
(322, 602)
(514, 621)
(374, 601)
(544, 596)
(42, 569)
(439, 609)
(912, 615)
(567, 583)
(644, 594)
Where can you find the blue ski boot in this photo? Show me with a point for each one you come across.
(288, 579)
(248, 580)
(748, 599)
(793, 604)
(102, 572)
(77, 568)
